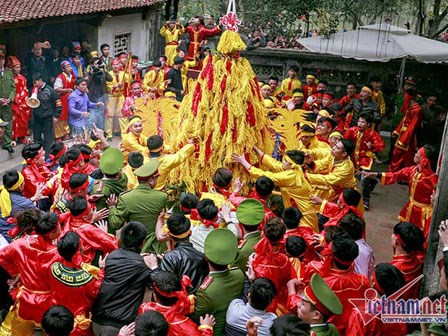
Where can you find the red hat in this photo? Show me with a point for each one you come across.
(327, 96)
(115, 61)
(121, 56)
(13, 61)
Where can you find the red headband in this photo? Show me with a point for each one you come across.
(77, 161)
(400, 240)
(208, 222)
(330, 126)
(83, 186)
(86, 156)
(327, 96)
(58, 155)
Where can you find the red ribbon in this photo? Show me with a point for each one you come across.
(225, 119)
(209, 223)
(250, 114)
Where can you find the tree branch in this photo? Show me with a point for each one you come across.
(439, 31)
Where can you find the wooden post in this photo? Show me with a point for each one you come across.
(440, 212)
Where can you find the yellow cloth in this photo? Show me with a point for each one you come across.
(378, 97)
(184, 72)
(318, 149)
(170, 37)
(169, 162)
(131, 143)
(5, 199)
(132, 179)
(293, 185)
(153, 80)
(217, 198)
(296, 84)
(329, 176)
(110, 85)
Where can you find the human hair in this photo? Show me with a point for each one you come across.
(297, 156)
(71, 155)
(27, 220)
(295, 246)
(375, 78)
(291, 217)
(274, 229)
(77, 180)
(344, 249)
(353, 225)
(275, 78)
(264, 186)
(432, 155)
(167, 282)
(154, 142)
(222, 177)
(46, 223)
(30, 151)
(207, 209)
(37, 76)
(97, 174)
(367, 117)
(275, 204)
(178, 224)
(151, 323)
(262, 291)
(388, 278)
(104, 45)
(294, 68)
(351, 197)
(323, 81)
(79, 81)
(351, 83)
(77, 205)
(331, 232)
(349, 146)
(135, 159)
(58, 321)
(189, 201)
(56, 148)
(164, 57)
(68, 244)
(289, 325)
(83, 148)
(133, 235)
(308, 128)
(411, 237)
(10, 178)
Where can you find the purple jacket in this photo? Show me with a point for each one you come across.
(78, 103)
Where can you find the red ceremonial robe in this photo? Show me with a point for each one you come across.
(197, 36)
(364, 155)
(21, 112)
(411, 267)
(67, 84)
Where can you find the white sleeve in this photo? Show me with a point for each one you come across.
(58, 83)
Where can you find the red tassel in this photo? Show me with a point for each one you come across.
(197, 96)
(229, 66)
(208, 149)
(250, 114)
(257, 88)
(223, 84)
(225, 119)
(210, 81)
(235, 131)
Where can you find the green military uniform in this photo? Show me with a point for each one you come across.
(142, 204)
(219, 288)
(324, 329)
(7, 91)
(250, 212)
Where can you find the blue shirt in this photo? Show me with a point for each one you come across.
(78, 103)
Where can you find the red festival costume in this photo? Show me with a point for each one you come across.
(363, 154)
(66, 84)
(197, 36)
(411, 267)
(20, 110)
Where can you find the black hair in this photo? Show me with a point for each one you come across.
(56, 148)
(79, 80)
(222, 177)
(289, 325)
(77, 205)
(167, 282)
(353, 225)
(294, 68)
(157, 63)
(154, 142)
(349, 146)
(178, 224)
(262, 292)
(104, 45)
(351, 197)
(164, 57)
(189, 201)
(351, 83)
(207, 209)
(275, 204)
(97, 174)
(432, 155)
(68, 244)
(71, 155)
(58, 321)
(412, 237)
(37, 76)
(133, 235)
(274, 229)
(273, 78)
(375, 78)
(323, 81)
(367, 117)
(308, 128)
(151, 323)
(295, 246)
(344, 249)
(83, 148)
(264, 186)
(331, 232)
(134, 57)
(46, 223)
(94, 137)
(10, 178)
(291, 217)
(135, 159)
(77, 180)
(30, 151)
(27, 220)
(297, 156)
(389, 278)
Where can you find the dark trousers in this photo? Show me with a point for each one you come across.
(100, 330)
(43, 131)
(368, 184)
(168, 9)
(6, 115)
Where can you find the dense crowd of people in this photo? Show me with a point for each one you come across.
(88, 246)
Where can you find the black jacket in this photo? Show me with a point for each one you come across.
(50, 104)
(175, 85)
(185, 259)
(122, 290)
(357, 108)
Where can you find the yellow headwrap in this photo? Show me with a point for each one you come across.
(133, 121)
(366, 88)
(336, 133)
(92, 144)
(5, 200)
(181, 236)
(324, 113)
(310, 77)
(265, 86)
(297, 94)
(305, 133)
(300, 179)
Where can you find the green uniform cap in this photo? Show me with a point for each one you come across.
(221, 246)
(250, 212)
(322, 297)
(148, 169)
(111, 161)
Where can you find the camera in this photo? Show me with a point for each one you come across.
(101, 64)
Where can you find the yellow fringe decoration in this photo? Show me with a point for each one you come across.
(230, 43)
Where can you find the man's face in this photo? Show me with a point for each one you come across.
(362, 124)
(266, 92)
(77, 61)
(431, 101)
(134, 63)
(16, 69)
(376, 85)
(37, 52)
(273, 84)
(136, 90)
(292, 73)
(40, 157)
(323, 129)
(105, 51)
(286, 165)
(209, 21)
(351, 89)
(417, 158)
(364, 94)
(38, 83)
(306, 140)
(310, 81)
(321, 87)
(326, 102)
(334, 140)
(156, 69)
(77, 50)
(338, 151)
(55, 53)
(116, 66)
(83, 87)
(305, 311)
(68, 69)
(297, 100)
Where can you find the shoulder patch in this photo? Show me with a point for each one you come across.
(207, 281)
(71, 278)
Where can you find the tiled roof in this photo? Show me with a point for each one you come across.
(23, 10)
